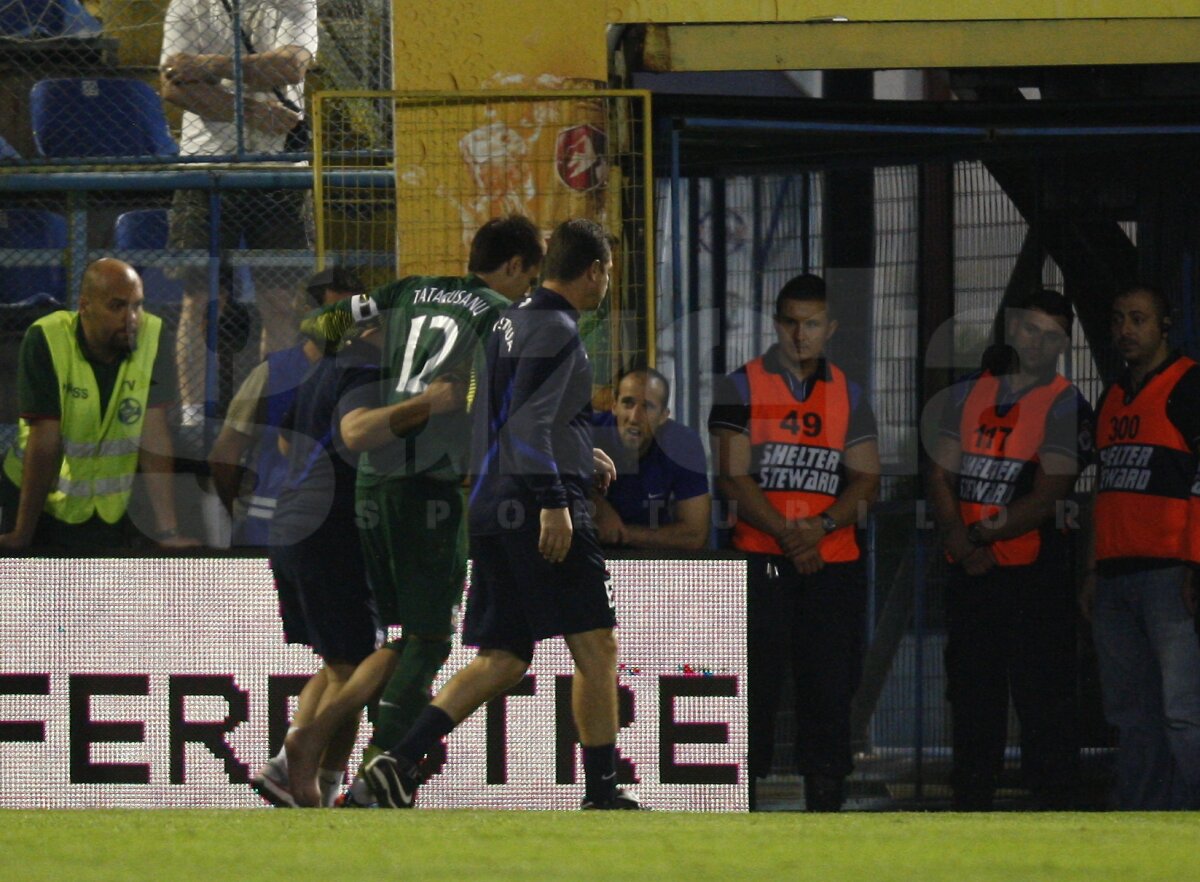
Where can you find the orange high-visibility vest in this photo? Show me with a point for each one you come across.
(1147, 471)
(999, 456)
(796, 451)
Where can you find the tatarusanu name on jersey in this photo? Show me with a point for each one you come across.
(468, 300)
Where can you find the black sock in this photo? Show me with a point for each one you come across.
(427, 730)
(600, 772)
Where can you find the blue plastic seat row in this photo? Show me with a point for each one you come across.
(46, 18)
(110, 117)
(23, 229)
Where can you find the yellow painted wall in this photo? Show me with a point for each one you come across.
(460, 45)
(465, 46)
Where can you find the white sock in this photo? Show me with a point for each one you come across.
(360, 792)
(330, 782)
(280, 759)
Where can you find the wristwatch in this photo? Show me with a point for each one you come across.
(828, 524)
(975, 535)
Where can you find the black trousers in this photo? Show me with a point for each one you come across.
(1012, 631)
(815, 625)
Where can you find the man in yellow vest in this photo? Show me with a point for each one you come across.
(93, 392)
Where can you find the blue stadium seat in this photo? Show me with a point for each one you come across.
(147, 229)
(22, 229)
(46, 18)
(8, 151)
(100, 117)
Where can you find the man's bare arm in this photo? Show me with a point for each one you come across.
(369, 428)
(261, 71)
(1052, 483)
(40, 468)
(156, 459)
(216, 103)
(733, 454)
(943, 497)
(225, 464)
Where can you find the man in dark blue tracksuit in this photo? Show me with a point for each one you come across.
(538, 569)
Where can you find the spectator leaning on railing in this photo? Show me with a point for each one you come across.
(660, 496)
(93, 386)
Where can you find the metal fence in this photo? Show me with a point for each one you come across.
(81, 83)
(459, 159)
(726, 244)
(175, 135)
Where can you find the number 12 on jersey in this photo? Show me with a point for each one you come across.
(426, 355)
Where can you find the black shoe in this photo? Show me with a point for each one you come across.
(824, 793)
(393, 781)
(621, 800)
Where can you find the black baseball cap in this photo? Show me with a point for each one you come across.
(339, 278)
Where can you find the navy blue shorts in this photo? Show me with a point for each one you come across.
(517, 597)
(324, 600)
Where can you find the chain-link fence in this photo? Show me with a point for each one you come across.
(405, 180)
(252, 285)
(212, 95)
(135, 80)
(938, 249)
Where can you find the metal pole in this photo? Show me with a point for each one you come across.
(919, 669)
(212, 314)
(677, 256)
(239, 86)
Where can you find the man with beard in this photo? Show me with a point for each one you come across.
(1141, 588)
(93, 387)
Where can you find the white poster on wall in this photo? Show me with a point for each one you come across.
(166, 682)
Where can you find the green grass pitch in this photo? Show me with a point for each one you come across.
(214, 845)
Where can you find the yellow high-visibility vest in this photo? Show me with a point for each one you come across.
(100, 448)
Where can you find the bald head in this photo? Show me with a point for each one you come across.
(110, 308)
(107, 274)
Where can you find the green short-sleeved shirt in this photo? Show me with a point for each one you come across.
(38, 394)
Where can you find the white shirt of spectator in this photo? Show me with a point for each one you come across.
(204, 27)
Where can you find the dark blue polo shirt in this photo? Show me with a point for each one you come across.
(647, 489)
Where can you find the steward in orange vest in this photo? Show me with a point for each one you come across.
(1011, 442)
(1141, 588)
(797, 463)
(1144, 491)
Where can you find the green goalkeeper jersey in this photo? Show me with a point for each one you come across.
(432, 326)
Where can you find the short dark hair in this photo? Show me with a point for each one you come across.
(804, 287)
(339, 278)
(501, 239)
(574, 246)
(1162, 305)
(1046, 300)
(650, 373)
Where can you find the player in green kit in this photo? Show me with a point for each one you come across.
(409, 500)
